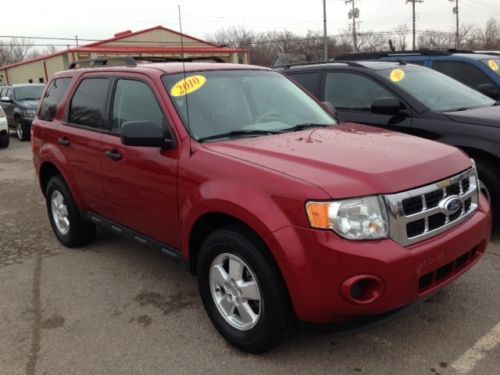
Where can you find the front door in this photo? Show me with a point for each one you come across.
(140, 183)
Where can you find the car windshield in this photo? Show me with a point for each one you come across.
(28, 92)
(436, 90)
(493, 64)
(238, 103)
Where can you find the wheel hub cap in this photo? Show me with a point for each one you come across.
(59, 212)
(235, 291)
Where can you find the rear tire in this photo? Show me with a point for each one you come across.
(68, 225)
(242, 290)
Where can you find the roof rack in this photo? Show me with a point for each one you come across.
(134, 60)
(347, 62)
(377, 55)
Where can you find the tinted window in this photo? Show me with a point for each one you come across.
(28, 92)
(52, 98)
(134, 101)
(309, 81)
(352, 91)
(463, 72)
(87, 106)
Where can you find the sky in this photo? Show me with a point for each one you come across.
(98, 19)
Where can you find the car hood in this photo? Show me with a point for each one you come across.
(28, 104)
(350, 160)
(487, 116)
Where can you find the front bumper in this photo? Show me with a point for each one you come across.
(317, 264)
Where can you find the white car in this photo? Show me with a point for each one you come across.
(4, 130)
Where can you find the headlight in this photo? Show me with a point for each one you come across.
(30, 112)
(354, 219)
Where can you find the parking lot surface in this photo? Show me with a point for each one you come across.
(113, 307)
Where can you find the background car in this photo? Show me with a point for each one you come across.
(479, 71)
(4, 130)
(414, 100)
(20, 103)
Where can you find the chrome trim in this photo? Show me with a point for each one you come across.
(398, 220)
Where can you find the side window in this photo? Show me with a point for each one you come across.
(309, 81)
(88, 104)
(134, 101)
(352, 91)
(463, 72)
(52, 98)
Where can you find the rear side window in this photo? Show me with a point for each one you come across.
(352, 91)
(309, 81)
(463, 72)
(88, 105)
(134, 101)
(52, 99)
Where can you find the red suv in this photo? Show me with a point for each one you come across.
(281, 211)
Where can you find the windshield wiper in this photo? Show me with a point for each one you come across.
(236, 133)
(305, 125)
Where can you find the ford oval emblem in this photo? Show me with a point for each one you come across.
(451, 205)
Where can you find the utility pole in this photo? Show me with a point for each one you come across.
(325, 34)
(457, 33)
(414, 20)
(353, 14)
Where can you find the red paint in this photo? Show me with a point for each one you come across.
(163, 193)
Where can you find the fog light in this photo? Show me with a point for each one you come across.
(362, 289)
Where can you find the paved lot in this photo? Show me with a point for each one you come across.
(115, 308)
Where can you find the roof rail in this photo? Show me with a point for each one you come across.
(377, 55)
(134, 60)
(347, 62)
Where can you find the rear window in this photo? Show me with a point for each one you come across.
(52, 98)
(88, 105)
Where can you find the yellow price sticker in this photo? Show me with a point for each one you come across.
(397, 75)
(188, 86)
(493, 65)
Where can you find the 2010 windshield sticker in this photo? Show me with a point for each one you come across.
(493, 65)
(397, 75)
(188, 85)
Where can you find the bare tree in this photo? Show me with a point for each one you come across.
(491, 34)
(400, 33)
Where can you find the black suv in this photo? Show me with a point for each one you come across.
(20, 103)
(415, 100)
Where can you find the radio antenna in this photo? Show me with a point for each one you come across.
(184, 78)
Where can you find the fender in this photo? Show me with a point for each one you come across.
(484, 146)
(252, 207)
(49, 153)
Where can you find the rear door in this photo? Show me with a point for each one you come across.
(140, 182)
(79, 137)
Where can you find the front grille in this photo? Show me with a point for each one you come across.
(418, 214)
(443, 273)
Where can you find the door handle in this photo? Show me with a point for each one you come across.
(63, 141)
(113, 155)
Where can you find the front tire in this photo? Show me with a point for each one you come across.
(68, 225)
(490, 186)
(5, 140)
(242, 290)
(22, 132)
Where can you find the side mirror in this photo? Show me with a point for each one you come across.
(329, 107)
(145, 134)
(490, 90)
(5, 99)
(386, 106)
